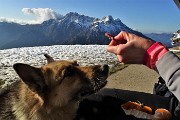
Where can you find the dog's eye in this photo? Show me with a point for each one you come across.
(68, 71)
(75, 63)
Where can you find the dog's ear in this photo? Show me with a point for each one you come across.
(31, 76)
(49, 58)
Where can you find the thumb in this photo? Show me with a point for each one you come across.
(122, 37)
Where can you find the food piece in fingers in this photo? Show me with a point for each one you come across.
(109, 36)
(118, 41)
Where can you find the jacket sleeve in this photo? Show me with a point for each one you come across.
(168, 67)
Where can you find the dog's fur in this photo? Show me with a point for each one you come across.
(51, 92)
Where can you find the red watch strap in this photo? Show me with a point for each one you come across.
(154, 53)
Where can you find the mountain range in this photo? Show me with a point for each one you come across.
(70, 29)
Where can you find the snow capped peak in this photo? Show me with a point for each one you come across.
(72, 14)
(108, 24)
(81, 20)
(71, 28)
(108, 18)
(105, 24)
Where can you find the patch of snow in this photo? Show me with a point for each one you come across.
(84, 54)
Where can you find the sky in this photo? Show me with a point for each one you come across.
(146, 16)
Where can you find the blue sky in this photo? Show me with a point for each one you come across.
(142, 15)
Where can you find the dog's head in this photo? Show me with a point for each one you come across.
(60, 82)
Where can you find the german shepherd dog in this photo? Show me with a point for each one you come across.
(51, 92)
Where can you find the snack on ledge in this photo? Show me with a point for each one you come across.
(140, 111)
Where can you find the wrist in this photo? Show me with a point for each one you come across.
(153, 54)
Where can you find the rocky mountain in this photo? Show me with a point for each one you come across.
(70, 29)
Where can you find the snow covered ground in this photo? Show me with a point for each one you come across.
(84, 54)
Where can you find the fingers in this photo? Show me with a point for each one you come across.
(118, 49)
(119, 44)
(113, 43)
(121, 52)
(129, 47)
(122, 37)
(112, 49)
(120, 58)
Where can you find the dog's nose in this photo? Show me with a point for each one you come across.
(105, 68)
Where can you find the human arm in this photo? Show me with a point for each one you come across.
(133, 49)
(129, 48)
(168, 67)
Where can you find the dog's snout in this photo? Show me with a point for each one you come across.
(105, 68)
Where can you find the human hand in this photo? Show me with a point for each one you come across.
(128, 47)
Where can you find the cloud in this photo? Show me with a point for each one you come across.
(11, 20)
(41, 15)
